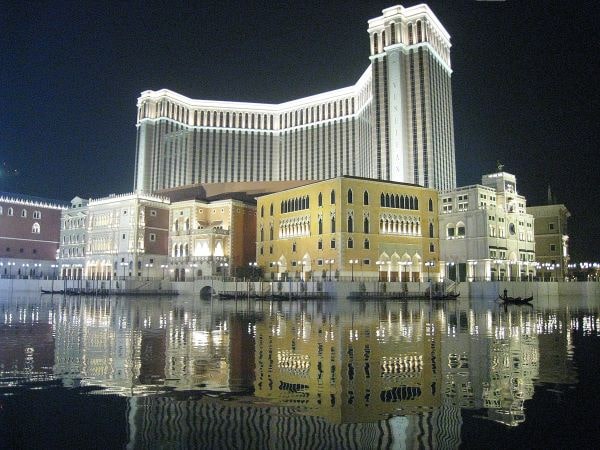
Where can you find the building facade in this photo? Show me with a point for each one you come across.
(29, 235)
(349, 227)
(552, 240)
(210, 238)
(124, 236)
(486, 232)
(394, 124)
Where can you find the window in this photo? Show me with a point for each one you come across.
(320, 199)
(430, 230)
(431, 248)
(550, 226)
(271, 233)
(320, 244)
(430, 205)
(24, 213)
(365, 198)
(366, 244)
(152, 237)
(451, 232)
(333, 197)
(270, 209)
(0, 210)
(333, 243)
(350, 196)
(123, 235)
(366, 225)
(552, 247)
(153, 212)
(350, 225)
(320, 226)
(37, 215)
(35, 228)
(293, 247)
(460, 230)
(333, 224)
(10, 212)
(125, 212)
(350, 243)
(262, 211)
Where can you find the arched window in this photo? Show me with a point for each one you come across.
(350, 243)
(333, 224)
(366, 225)
(320, 244)
(35, 228)
(333, 197)
(271, 233)
(24, 213)
(320, 226)
(271, 209)
(382, 199)
(350, 196)
(320, 199)
(365, 198)
(430, 205)
(402, 202)
(412, 204)
(430, 230)
(416, 203)
(262, 234)
(36, 214)
(307, 202)
(350, 224)
(262, 211)
(366, 244)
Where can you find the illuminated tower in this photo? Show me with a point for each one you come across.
(395, 123)
(413, 137)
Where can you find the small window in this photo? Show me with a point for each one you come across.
(350, 196)
(37, 215)
(552, 247)
(350, 243)
(551, 226)
(365, 198)
(431, 248)
(124, 212)
(333, 197)
(320, 245)
(460, 231)
(333, 243)
(366, 244)
(152, 237)
(153, 212)
(320, 199)
(20, 250)
(123, 235)
(24, 213)
(10, 212)
(35, 228)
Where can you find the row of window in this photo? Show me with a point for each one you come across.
(11, 212)
(21, 250)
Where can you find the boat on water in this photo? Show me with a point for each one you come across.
(403, 296)
(516, 300)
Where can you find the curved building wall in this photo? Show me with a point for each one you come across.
(394, 124)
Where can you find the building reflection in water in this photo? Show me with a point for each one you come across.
(293, 372)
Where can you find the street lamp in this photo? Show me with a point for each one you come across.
(352, 262)
(123, 265)
(148, 265)
(10, 266)
(35, 266)
(405, 264)
(223, 266)
(429, 264)
(253, 265)
(379, 264)
(164, 267)
(330, 262)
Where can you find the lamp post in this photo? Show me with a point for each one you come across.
(253, 265)
(148, 265)
(164, 267)
(10, 266)
(330, 262)
(123, 265)
(35, 266)
(223, 266)
(352, 262)
(405, 264)
(429, 265)
(379, 264)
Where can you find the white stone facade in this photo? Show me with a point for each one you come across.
(486, 232)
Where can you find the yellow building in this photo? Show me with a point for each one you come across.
(349, 228)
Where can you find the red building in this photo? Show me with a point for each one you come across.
(29, 235)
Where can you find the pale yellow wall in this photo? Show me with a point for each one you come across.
(382, 246)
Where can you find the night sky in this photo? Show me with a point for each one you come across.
(525, 85)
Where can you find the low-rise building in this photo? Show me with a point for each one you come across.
(29, 235)
(551, 240)
(124, 236)
(486, 232)
(210, 238)
(349, 227)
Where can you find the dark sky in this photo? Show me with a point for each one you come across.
(525, 85)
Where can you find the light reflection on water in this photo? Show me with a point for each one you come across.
(331, 374)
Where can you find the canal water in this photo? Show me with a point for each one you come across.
(85, 372)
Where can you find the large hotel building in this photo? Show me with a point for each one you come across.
(394, 124)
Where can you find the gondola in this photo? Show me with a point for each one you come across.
(516, 300)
